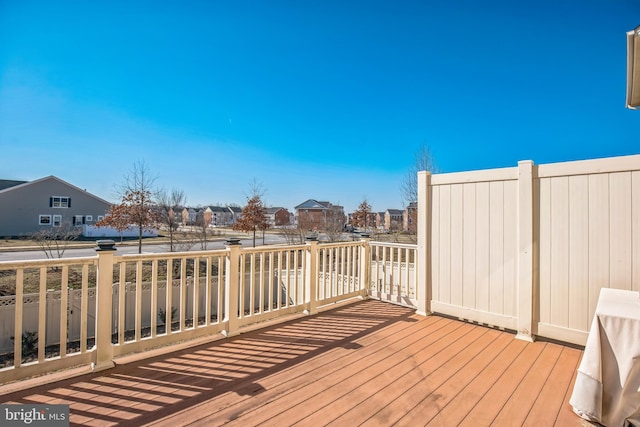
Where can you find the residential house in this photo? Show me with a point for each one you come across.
(378, 220)
(393, 219)
(215, 216)
(409, 218)
(236, 214)
(221, 216)
(189, 216)
(29, 206)
(315, 215)
(277, 216)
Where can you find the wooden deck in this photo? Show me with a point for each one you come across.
(368, 363)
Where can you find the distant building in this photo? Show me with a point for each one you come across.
(393, 219)
(378, 220)
(410, 217)
(278, 216)
(315, 215)
(236, 214)
(221, 216)
(189, 216)
(29, 206)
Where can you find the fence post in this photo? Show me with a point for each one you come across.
(423, 261)
(231, 285)
(365, 265)
(525, 251)
(311, 284)
(103, 355)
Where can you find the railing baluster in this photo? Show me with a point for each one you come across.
(154, 297)
(385, 270)
(252, 284)
(64, 306)
(168, 317)
(261, 296)
(271, 279)
(183, 293)
(122, 308)
(207, 291)
(287, 303)
(222, 273)
(241, 287)
(84, 308)
(349, 277)
(42, 314)
(196, 291)
(405, 271)
(138, 309)
(296, 290)
(17, 328)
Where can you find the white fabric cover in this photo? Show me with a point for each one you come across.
(607, 388)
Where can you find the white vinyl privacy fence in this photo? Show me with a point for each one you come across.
(529, 248)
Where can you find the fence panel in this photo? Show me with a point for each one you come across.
(474, 245)
(589, 239)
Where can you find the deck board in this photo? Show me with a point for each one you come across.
(368, 363)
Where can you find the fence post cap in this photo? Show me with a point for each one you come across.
(105, 245)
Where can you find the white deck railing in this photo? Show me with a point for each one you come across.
(393, 273)
(109, 305)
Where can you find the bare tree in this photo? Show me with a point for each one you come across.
(203, 220)
(185, 241)
(139, 179)
(55, 240)
(170, 204)
(423, 161)
(256, 189)
(293, 234)
(137, 205)
(334, 223)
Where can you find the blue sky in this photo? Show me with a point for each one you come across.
(312, 99)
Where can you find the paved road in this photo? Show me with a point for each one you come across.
(128, 248)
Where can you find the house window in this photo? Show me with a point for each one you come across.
(44, 220)
(88, 218)
(57, 219)
(59, 202)
(100, 217)
(78, 220)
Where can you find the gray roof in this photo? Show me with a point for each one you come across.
(50, 177)
(273, 210)
(7, 183)
(312, 204)
(218, 209)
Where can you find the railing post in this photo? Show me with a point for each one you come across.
(311, 282)
(525, 251)
(423, 261)
(103, 355)
(365, 265)
(231, 285)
